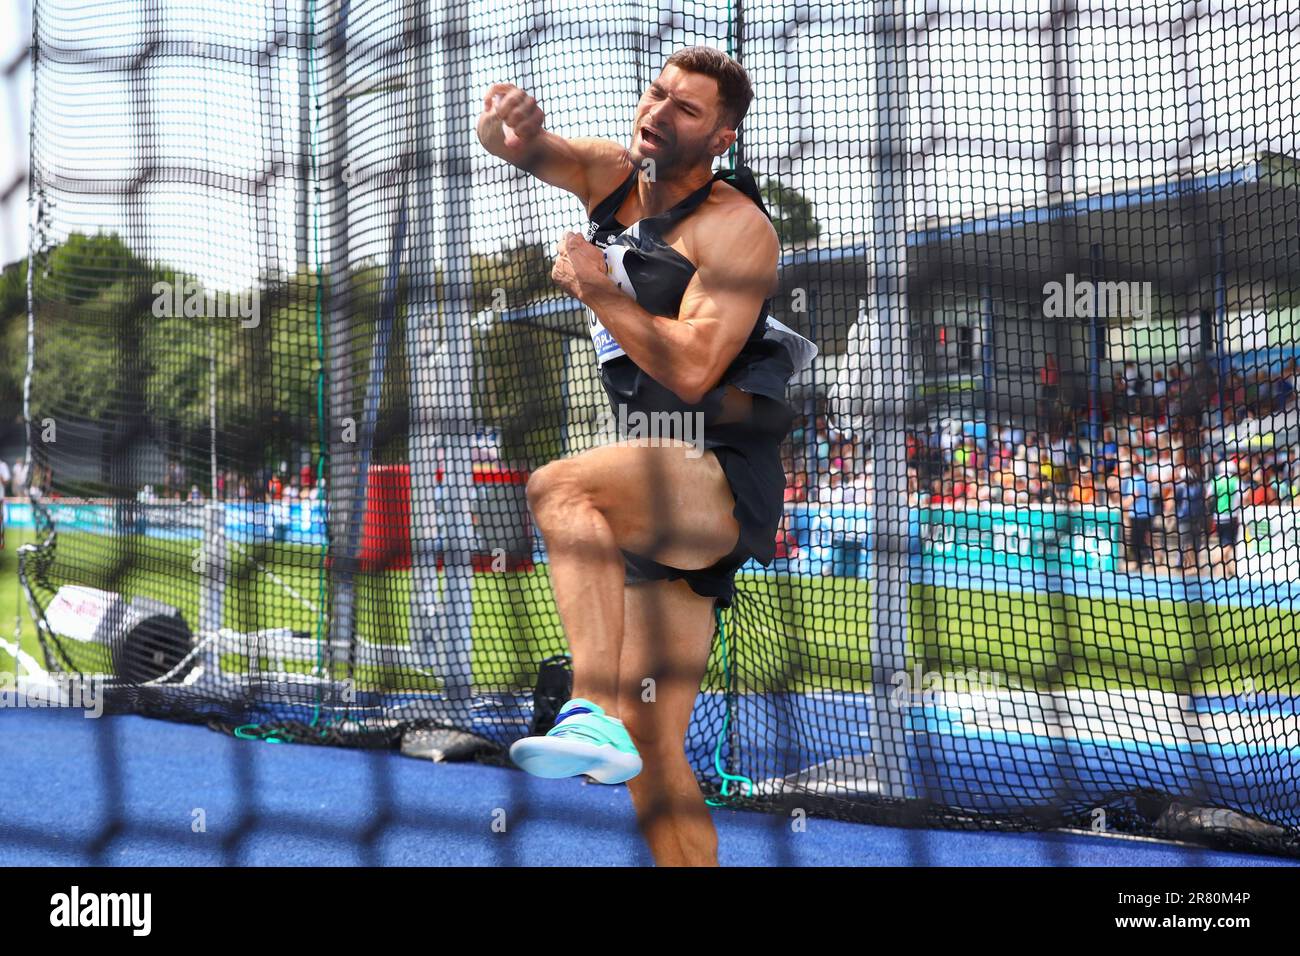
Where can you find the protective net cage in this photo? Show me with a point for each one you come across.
(296, 351)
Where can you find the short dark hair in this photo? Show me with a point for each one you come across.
(735, 92)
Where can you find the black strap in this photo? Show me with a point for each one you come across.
(742, 177)
(606, 207)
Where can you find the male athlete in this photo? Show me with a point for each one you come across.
(644, 538)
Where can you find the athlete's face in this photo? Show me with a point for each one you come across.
(678, 121)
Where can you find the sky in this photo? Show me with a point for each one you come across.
(15, 106)
(1145, 92)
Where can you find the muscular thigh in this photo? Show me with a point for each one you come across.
(667, 636)
(661, 502)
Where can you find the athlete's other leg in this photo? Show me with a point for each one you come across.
(668, 631)
(662, 502)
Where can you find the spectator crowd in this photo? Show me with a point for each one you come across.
(268, 486)
(1179, 457)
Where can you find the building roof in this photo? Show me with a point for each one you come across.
(1117, 195)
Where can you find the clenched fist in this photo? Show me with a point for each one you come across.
(512, 110)
(579, 266)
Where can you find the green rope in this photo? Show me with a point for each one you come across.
(282, 735)
(267, 737)
(727, 778)
(322, 462)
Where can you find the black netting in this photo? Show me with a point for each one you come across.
(297, 352)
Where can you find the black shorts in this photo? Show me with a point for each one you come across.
(717, 581)
(751, 462)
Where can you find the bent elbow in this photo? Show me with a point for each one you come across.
(700, 385)
(692, 389)
(691, 396)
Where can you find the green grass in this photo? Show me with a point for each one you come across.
(515, 623)
(799, 634)
(14, 618)
(1061, 641)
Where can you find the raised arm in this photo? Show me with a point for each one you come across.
(510, 127)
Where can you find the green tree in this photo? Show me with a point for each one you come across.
(520, 368)
(792, 213)
(13, 340)
(102, 354)
(522, 273)
(89, 293)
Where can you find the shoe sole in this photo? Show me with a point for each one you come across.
(554, 758)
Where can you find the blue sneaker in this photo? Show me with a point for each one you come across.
(583, 741)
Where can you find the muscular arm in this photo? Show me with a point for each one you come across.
(735, 272)
(566, 163)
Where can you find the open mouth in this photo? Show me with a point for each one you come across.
(653, 138)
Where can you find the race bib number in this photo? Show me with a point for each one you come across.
(606, 347)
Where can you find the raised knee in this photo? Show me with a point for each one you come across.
(537, 483)
(549, 483)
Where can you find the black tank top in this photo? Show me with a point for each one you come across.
(656, 276)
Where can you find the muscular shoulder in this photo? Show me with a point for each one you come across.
(732, 234)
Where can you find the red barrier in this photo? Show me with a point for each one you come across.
(386, 526)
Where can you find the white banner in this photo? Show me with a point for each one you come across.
(1268, 542)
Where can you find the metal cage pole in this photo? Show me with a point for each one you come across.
(213, 582)
(303, 168)
(342, 454)
(440, 351)
(890, 513)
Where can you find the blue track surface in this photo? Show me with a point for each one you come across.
(124, 791)
(974, 758)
